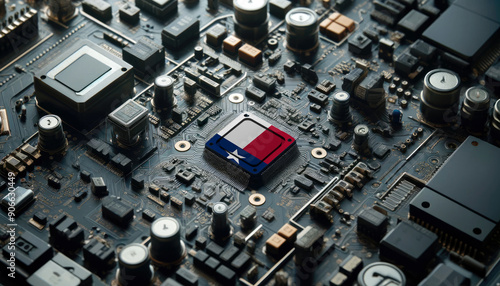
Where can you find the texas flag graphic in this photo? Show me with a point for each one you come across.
(250, 143)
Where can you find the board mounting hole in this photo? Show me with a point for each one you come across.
(289, 140)
(246, 115)
(124, 69)
(426, 205)
(257, 199)
(474, 143)
(43, 77)
(477, 230)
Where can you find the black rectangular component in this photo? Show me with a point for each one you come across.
(240, 262)
(264, 82)
(372, 223)
(19, 199)
(318, 97)
(130, 14)
(186, 277)
(117, 211)
(159, 8)
(99, 9)
(462, 32)
(413, 23)
(178, 33)
(225, 275)
(145, 56)
(409, 244)
(214, 249)
(255, 94)
(304, 183)
(279, 8)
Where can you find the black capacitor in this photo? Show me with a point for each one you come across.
(495, 123)
(198, 52)
(2, 8)
(475, 107)
(361, 132)
(61, 10)
(163, 99)
(302, 29)
(166, 246)
(134, 265)
(251, 18)
(51, 138)
(220, 227)
(340, 111)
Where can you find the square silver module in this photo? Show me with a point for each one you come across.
(129, 121)
(83, 84)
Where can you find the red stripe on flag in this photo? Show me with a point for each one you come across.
(264, 145)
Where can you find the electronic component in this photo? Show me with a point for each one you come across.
(248, 216)
(145, 56)
(61, 10)
(85, 99)
(163, 99)
(99, 187)
(130, 14)
(302, 33)
(405, 64)
(231, 44)
(61, 271)
(442, 275)
(280, 8)
(66, 234)
(275, 246)
(386, 49)
(440, 97)
(220, 227)
(134, 265)
(360, 45)
(51, 138)
(449, 205)
(158, 8)
(99, 9)
(308, 244)
(413, 23)
(98, 255)
(250, 55)
(475, 108)
(25, 27)
(117, 211)
(381, 273)
(409, 244)
(18, 200)
(360, 141)
(495, 122)
(340, 112)
(372, 223)
(256, 158)
(447, 32)
(166, 245)
(216, 35)
(251, 18)
(178, 33)
(129, 122)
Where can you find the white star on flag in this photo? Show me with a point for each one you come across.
(235, 156)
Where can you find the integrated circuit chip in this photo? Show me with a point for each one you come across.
(257, 148)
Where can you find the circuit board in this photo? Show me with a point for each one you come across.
(250, 142)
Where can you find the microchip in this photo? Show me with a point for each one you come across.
(257, 148)
(146, 56)
(462, 32)
(83, 84)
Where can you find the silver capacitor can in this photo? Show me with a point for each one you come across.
(302, 30)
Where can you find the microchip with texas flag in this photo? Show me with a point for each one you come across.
(253, 146)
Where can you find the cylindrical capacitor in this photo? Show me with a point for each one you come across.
(166, 245)
(396, 117)
(302, 30)
(360, 142)
(134, 266)
(440, 97)
(164, 99)
(51, 138)
(61, 10)
(381, 273)
(221, 229)
(251, 18)
(495, 123)
(198, 52)
(340, 112)
(475, 109)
